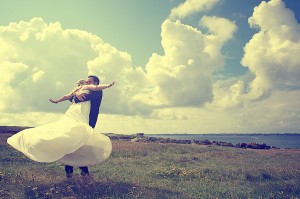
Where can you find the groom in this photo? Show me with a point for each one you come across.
(95, 97)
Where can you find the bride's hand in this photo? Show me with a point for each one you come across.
(53, 101)
(111, 84)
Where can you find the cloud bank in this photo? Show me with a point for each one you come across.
(177, 90)
(44, 60)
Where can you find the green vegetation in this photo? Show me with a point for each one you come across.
(156, 170)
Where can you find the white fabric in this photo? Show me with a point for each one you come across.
(70, 140)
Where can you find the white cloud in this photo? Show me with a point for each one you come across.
(37, 76)
(190, 7)
(175, 92)
(272, 53)
(272, 115)
(222, 28)
(183, 76)
(30, 72)
(42, 61)
(225, 97)
(130, 82)
(275, 114)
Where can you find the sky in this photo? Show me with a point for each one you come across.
(194, 66)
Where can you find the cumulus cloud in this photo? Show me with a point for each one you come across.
(225, 97)
(131, 82)
(45, 61)
(190, 7)
(183, 76)
(39, 56)
(222, 28)
(177, 91)
(40, 61)
(271, 54)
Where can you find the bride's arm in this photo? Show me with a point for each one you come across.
(97, 87)
(65, 97)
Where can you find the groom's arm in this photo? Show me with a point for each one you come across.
(91, 96)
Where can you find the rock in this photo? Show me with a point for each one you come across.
(253, 146)
(202, 142)
(121, 137)
(140, 135)
(241, 145)
(218, 143)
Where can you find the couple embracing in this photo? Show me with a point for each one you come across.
(72, 139)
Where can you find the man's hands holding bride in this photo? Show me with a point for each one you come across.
(81, 96)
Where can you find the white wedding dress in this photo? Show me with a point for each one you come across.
(70, 140)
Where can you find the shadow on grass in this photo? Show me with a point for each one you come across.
(88, 188)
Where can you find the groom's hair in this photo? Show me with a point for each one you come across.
(96, 79)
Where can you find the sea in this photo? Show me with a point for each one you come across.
(278, 140)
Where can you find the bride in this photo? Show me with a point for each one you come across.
(69, 140)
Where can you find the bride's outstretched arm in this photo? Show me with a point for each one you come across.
(97, 87)
(65, 97)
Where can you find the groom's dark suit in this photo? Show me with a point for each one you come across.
(95, 97)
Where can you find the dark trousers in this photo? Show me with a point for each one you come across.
(69, 169)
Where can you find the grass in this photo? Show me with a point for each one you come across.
(153, 170)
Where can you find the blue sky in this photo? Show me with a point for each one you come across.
(166, 82)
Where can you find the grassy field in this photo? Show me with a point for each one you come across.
(153, 170)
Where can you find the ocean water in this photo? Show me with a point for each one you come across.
(277, 140)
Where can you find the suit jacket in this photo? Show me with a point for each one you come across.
(95, 97)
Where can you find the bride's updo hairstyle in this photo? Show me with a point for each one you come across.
(81, 82)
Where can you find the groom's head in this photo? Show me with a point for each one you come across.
(93, 80)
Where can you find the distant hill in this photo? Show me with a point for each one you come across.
(12, 129)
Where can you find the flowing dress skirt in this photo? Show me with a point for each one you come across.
(70, 140)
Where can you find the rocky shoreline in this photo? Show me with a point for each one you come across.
(140, 137)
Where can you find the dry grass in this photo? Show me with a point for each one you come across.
(153, 170)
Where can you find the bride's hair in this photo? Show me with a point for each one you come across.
(81, 82)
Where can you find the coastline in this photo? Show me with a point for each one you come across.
(141, 137)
